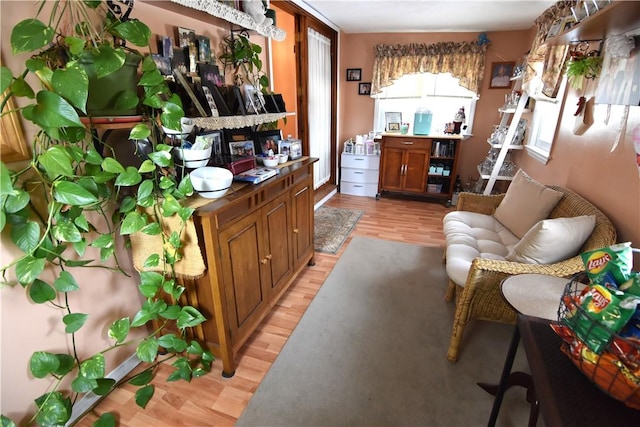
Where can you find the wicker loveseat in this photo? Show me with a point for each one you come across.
(479, 297)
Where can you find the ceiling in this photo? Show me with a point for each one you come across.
(381, 16)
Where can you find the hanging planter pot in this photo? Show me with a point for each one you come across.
(116, 93)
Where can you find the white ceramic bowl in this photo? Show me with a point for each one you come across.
(270, 161)
(193, 158)
(211, 182)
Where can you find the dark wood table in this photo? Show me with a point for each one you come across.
(565, 395)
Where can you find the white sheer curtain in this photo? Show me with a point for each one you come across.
(320, 105)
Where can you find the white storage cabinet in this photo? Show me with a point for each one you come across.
(359, 174)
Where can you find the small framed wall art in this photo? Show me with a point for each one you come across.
(501, 75)
(364, 89)
(354, 74)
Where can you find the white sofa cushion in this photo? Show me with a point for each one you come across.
(553, 240)
(525, 203)
(470, 235)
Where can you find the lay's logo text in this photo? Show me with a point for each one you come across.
(597, 261)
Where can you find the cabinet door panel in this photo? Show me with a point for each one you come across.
(240, 252)
(416, 171)
(303, 223)
(278, 222)
(392, 168)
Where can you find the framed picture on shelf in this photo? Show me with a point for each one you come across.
(180, 78)
(392, 121)
(185, 36)
(179, 60)
(210, 101)
(214, 138)
(501, 75)
(210, 73)
(254, 101)
(204, 49)
(284, 147)
(267, 140)
(555, 28)
(165, 46)
(163, 63)
(364, 89)
(242, 148)
(295, 149)
(354, 74)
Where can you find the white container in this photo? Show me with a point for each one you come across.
(193, 158)
(282, 158)
(422, 121)
(211, 182)
(270, 161)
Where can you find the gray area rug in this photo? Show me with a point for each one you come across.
(333, 226)
(371, 351)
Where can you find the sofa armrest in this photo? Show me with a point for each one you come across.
(479, 203)
(483, 266)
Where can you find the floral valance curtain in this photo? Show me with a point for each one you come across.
(464, 61)
(545, 64)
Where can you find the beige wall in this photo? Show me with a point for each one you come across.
(585, 164)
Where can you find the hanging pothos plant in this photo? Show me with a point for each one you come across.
(79, 188)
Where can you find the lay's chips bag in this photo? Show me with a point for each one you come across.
(609, 266)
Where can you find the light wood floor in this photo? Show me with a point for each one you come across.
(216, 401)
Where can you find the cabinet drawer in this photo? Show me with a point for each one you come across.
(356, 189)
(407, 143)
(360, 175)
(360, 162)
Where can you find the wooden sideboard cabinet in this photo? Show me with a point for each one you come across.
(255, 243)
(408, 163)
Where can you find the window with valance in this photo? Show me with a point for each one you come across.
(545, 64)
(464, 60)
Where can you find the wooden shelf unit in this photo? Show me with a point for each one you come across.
(405, 161)
(619, 17)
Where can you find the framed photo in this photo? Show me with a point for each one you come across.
(501, 75)
(210, 101)
(215, 139)
(364, 89)
(165, 46)
(268, 140)
(555, 28)
(163, 63)
(238, 134)
(192, 96)
(179, 60)
(392, 121)
(204, 49)
(254, 101)
(354, 74)
(185, 36)
(210, 73)
(295, 150)
(284, 147)
(242, 148)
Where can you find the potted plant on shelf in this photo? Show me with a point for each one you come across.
(71, 197)
(243, 58)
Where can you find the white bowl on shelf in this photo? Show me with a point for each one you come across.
(211, 182)
(193, 158)
(270, 161)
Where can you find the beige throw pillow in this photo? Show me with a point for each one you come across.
(525, 203)
(553, 240)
